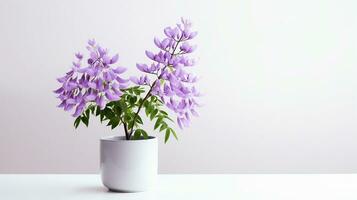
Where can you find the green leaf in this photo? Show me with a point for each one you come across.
(144, 134)
(132, 100)
(138, 91)
(163, 126)
(136, 135)
(114, 122)
(128, 117)
(163, 112)
(97, 112)
(111, 103)
(101, 116)
(167, 117)
(140, 133)
(77, 121)
(153, 114)
(158, 122)
(108, 113)
(167, 135)
(85, 120)
(88, 113)
(146, 103)
(152, 99)
(122, 105)
(92, 109)
(139, 120)
(117, 109)
(174, 133)
(148, 109)
(160, 101)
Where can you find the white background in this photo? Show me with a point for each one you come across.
(279, 79)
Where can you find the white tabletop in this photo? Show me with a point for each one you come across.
(185, 187)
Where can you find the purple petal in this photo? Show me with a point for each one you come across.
(100, 102)
(194, 113)
(79, 55)
(173, 102)
(142, 67)
(153, 67)
(92, 85)
(117, 92)
(182, 104)
(114, 59)
(79, 98)
(79, 110)
(115, 85)
(102, 51)
(76, 65)
(90, 97)
(59, 90)
(71, 101)
(186, 33)
(165, 43)
(93, 56)
(185, 122)
(192, 35)
(83, 70)
(62, 79)
(167, 90)
(179, 122)
(110, 96)
(107, 77)
(112, 74)
(179, 26)
(187, 116)
(106, 59)
(119, 70)
(63, 104)
(99, 85)
(176, 33)
(144, 80)
(91, 42)
(157, 42)
(68, 107)
(123, 85)
(185, 47)
(192, 49)
(121, 80)
(149, 55)
(134, 79)
(168, 32)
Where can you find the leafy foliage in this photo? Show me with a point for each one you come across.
(123, 111)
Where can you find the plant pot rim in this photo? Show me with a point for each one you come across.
(123, 139)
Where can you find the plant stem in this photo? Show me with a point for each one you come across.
(125, 128)
(126, 132)
(148, 94)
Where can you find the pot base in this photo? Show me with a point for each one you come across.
(128, 165)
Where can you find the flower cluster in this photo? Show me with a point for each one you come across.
(173, 84)
(97, 82)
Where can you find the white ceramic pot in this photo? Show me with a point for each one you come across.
(128, 165)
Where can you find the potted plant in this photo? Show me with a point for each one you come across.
(95, 86)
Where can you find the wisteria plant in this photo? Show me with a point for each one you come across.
(96, 86)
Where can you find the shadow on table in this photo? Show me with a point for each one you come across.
(98, 189)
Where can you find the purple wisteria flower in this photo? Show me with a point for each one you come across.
(94, 86)
(173, 83)
(93, 81)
